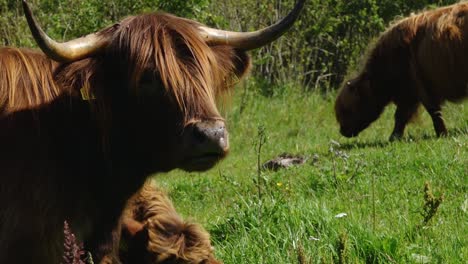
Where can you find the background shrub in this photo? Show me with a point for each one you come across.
(316, 54)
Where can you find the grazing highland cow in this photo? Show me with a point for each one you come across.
(153, 232)
(83, 124)
(422, 59)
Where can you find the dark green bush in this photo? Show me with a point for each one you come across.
(330, 37)
(317, 53)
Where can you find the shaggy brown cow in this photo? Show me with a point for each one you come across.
(422, 59)
(154, 233)
(83, 125)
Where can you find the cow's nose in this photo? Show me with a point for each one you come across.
(211, 137)
(206, 143)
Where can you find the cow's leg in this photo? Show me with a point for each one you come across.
(403, 114)
(433, 107)
(430, 100)
(437, 120)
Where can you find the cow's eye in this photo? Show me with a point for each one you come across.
(147, 78)
(151, 85)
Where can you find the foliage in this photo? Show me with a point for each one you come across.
(73, 251)
(431, 203)
(316, 54)
(329, 38)
(66, 19)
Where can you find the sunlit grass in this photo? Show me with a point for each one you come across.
(378, 184)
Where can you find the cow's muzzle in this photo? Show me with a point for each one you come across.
(348, 132)
(206, 142)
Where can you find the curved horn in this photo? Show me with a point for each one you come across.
(70, 51)
(255, 39)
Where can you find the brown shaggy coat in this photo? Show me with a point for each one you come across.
(153, 232)
(422, 59)
(65, 157)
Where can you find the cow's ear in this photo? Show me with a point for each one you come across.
(237, 62)
(349, 85)
(242, 63)
(365, 87)
(361, 85)
(352, 87)
(131, 227)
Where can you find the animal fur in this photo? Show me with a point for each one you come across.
(421, 59)
(64, 157)
(153, 232)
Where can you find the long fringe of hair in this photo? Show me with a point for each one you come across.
(192, 73)
(26, 80)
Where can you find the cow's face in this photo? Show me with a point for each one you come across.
(172, 80)
(355, 108)
(163, 76)
(168, 139)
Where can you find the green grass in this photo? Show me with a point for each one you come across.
(288, 216)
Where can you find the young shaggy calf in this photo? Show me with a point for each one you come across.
(422, 59)
(153, 232)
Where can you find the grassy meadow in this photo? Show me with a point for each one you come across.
(292, 215)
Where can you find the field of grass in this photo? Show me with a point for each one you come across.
(291, 215)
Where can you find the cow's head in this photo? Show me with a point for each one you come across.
(163, 76)
(356, 107)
